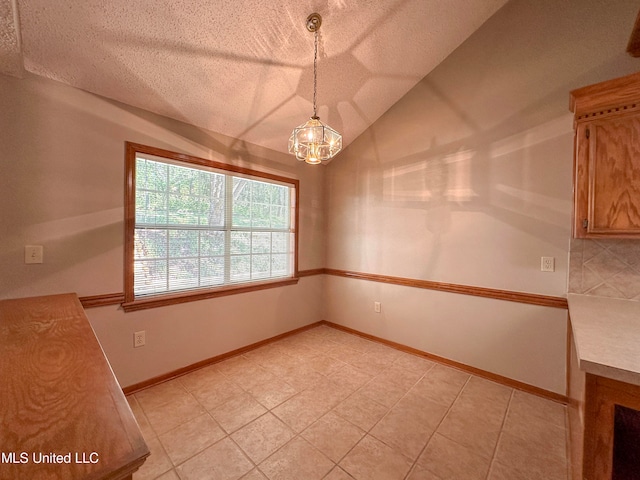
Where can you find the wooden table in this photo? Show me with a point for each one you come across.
(62, 412)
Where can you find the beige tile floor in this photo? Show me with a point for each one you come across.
(324, 404)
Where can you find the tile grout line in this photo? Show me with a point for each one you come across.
(206, 412)
(504, 421)
(157, 437)
(367, 432)
(228, 435)
(296, 434)
(357, 390)
(325, 375)
(299, 434)
(210, 414)
(268, 410)
(567, 428)
(415, 462)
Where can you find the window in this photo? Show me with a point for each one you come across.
(196, 228)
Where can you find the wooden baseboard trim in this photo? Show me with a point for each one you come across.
(508, 295)
(209, 361)
(509, 382)
(525, 387)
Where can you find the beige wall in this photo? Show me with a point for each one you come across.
(522, 342)
(62, 186)
(467, 179)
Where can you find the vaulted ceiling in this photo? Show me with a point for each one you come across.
(241, 68)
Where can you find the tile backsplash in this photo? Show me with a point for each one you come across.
(605, 268)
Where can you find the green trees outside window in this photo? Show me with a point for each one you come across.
(199, 227)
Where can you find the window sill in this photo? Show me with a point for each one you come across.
(194, 295)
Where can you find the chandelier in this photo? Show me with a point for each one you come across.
(313, 141)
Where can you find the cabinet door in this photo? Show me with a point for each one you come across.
(607, 175)
(601, 398)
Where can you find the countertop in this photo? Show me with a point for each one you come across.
(63, 414)
(607, 336)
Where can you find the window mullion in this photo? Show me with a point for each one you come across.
(200, 259)
(250, 231)
(166, 248)
(228, 221)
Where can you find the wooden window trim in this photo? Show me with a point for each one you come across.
(131, 303)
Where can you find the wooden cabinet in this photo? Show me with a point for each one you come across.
(605, 457)
(607, 159)
(593, 422)
(63, 414)
(603, 387)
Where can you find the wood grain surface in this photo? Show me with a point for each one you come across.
(614, 175)
(607, 159)
(602, 395)
(611, 97)
(59, 399)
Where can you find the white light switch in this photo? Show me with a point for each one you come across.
(33, 254)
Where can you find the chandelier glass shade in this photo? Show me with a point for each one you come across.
(313, 141)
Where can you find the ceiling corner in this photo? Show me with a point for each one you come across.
(11, 62)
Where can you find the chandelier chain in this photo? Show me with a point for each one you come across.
(315, 65)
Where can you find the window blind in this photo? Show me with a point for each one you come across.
(198, 227)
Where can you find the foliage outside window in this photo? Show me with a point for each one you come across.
(198, 228)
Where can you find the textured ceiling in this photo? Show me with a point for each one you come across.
(241, 68)
(10, 57)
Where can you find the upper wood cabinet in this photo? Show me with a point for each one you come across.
(607, 159)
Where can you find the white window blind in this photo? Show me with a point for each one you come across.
(197, 227)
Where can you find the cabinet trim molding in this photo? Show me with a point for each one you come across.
(615, 96)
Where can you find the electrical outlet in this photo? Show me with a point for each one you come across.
(376, 307)
(547, 264)
(33, 254)
(139, 339)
